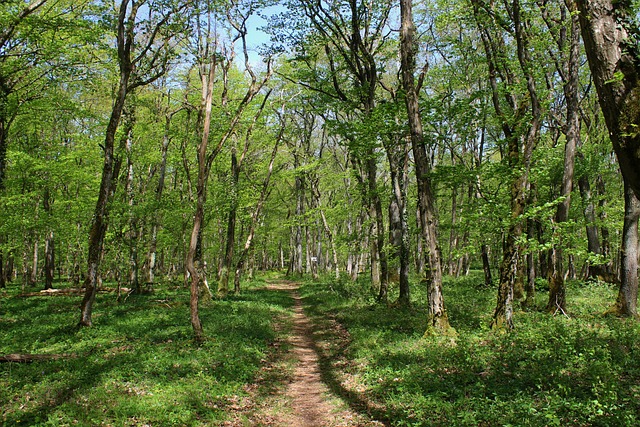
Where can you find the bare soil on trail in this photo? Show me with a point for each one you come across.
(305, 401)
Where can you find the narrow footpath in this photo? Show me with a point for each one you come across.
(306, 401)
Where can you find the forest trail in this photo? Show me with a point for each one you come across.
(305, 401)
(307, 391)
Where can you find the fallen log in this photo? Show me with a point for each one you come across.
(28, 358)
(69, 291)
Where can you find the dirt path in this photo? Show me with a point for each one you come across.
(306, 401)
(307, 391)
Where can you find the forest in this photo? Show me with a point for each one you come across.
(447, 191)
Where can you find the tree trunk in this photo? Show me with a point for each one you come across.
(589, 211)
(486, 265)
(398, 221)
(3, 280)
(327, 230)
(100, 216)
(557, 289)
(153, 245)
(609, 33)
(49, 261)
(33, 277)
(520, 143)
(4, 129)
(254, 218)
(437, 320)
(227, 263)
(626, 304)
(109, 172)
(194, 254)
(614, 60)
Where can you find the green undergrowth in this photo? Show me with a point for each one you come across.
(138, 365)
(579, 369)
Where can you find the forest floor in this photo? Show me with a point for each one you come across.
(316, 353)
(305, 400)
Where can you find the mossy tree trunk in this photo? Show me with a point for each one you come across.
(610, 36)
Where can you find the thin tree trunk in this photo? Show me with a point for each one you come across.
(557, 288)
(3, 281)
(593, 241)
(153, 245)
(223, 283)
(107, 183)
(520, 145)
(49, 260)
(327, 230)
(486, 265)
(254, 218)
(437, 319)
(207, 75)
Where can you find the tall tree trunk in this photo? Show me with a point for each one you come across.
(604, 230)
(437, 319)
(4, 130)
(379, 267)
(153, 244)
(236, 165)
(520, 143)
(33, 277)
(3, 272)
(327, 229)
(107, 184)
(194, 254)
(49, 244)
(589, 211)
(49, 260)
(227, 262)
(398, 221)
(609, 32)
(557, 289)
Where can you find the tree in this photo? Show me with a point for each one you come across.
(339, 61)
(567, 65)
(437, 315)
(143, 50)
(208, 58)
(520, 115)
(611, 34)
(17, 60)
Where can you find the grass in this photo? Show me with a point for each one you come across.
(580, 370)
(138, 364)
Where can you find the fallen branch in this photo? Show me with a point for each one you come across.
(28, 358)
(68, 291)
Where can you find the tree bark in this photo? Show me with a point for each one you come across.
(610, 38)
(437, 320)
(486, 265)
(608, 31)
(520, 142)
(49, 244)
(227, 262)
(557, 288)
(626, 304)
(153, 245)
(49, 260)
(107, 183)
